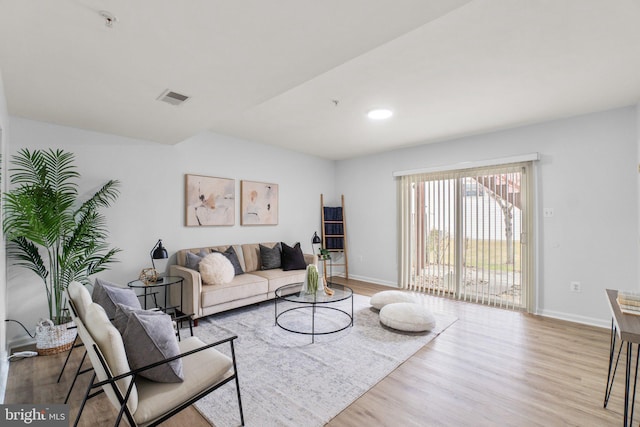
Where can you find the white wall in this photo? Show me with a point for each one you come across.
(151, 204)
(4, 128)
(587, 173)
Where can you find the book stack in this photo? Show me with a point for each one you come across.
(629, 302)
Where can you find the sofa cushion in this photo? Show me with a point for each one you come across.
(278, 277)
(292, 257)
(192, 260)
(231, 255)
(270, 257)
(107, 295)
(216, 269)
(243, 286)
(237, 249)
(251, 257)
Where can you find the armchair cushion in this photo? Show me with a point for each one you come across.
(108, 294)
(201, 371)
(109, 340)
(80, 297)
(149, 337)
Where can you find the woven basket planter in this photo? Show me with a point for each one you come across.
(53, 339)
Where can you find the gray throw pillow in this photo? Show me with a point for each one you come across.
(231, 255)
(193, 260)
(123, 313)
(292, 257)
(149, 338)
(109, 294)
(271, 257)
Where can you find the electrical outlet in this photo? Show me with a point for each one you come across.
(575, 287)
(547, 212)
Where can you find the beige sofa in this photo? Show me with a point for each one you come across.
(254, 286)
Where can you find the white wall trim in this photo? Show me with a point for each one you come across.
(592, 321)
(530, 157)
(370, 280)
(20, 342)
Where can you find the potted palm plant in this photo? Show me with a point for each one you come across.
(52, 232)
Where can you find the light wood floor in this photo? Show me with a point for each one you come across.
(492, 367)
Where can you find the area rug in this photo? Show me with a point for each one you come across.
(285, 380)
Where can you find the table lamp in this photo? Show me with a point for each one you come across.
(159, 257)
(315, 240)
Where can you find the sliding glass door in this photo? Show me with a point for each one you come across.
(464, 234)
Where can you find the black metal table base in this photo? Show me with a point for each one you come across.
(314, 307)
(629, 396)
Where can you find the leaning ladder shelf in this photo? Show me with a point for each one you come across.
(334, 235)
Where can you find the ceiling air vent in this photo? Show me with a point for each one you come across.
(173, 98)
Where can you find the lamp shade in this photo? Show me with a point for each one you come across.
(159, 251)
(316, 239)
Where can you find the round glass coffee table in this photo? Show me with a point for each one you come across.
(305, 302)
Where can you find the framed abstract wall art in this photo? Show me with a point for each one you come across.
(258, 203)
(209, 201)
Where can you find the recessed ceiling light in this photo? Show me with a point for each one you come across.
(380, 114)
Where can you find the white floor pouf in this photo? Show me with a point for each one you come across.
(406, 316)
(383, 298)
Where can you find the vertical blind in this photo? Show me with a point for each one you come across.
(464, 233)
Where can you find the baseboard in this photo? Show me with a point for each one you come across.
(370, 280)
(591, 321)
(20, 342)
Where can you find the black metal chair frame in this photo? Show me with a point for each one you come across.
(74, 345)
(77, 344)
(124, 410)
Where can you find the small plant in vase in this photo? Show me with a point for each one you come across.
(324, 254)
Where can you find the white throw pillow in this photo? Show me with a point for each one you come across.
(383, 298)
(406, 316)
(216, 269)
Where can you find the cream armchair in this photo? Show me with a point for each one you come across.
(141, 401)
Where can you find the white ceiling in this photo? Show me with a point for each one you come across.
(269, 71)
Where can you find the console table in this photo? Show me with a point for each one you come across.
(626, 328)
